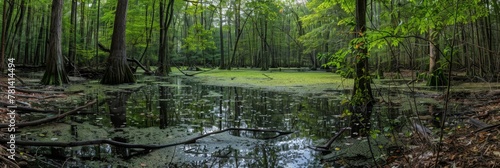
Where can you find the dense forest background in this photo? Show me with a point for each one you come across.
(419, 35)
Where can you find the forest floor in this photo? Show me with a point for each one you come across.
(462, 146)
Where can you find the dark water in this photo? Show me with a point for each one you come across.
(157, 108)
(203, 109)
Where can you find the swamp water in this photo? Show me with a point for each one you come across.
(172, 111)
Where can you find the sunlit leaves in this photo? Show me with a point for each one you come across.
(265, 8)
(437, 14)
(198, 39)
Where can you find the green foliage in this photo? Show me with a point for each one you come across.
(265, 8)
(338, 60)
(323, 19)
(198, 39)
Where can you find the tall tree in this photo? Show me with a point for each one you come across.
(362, 98)
(118, 70)
(72, 32)
(55, 74)
(165, 22)
(222, 64)
(4, 32)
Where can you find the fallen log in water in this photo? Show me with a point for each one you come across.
(130, 145)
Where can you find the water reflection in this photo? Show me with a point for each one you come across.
(171, 105)
(202, 109)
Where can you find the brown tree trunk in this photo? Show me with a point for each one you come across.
(72, 32)
(27, 36)
(118, 70)
(362, 98)
(18, 27)
(221, 36)
(4, 25)
(166, 16)
(161, 50)
(432, 53)
(55, 73)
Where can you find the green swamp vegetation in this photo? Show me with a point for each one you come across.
(249, 83)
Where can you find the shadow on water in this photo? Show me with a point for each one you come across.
(164, 112)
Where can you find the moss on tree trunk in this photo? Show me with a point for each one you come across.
(118, 70)
(55, 74)
(362, 98)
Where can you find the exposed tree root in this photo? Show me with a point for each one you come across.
(49, 119)
(129, 145)
(8, 162)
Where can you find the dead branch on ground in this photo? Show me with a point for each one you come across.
(49, 119)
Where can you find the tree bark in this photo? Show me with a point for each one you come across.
(72, 32)
(432, 53)
(221, 37)
(166, 16)
(27, 36)
(118, 70)
(55, 74)
(362, 98)
(4, 26)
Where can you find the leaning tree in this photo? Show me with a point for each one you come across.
(118, 70)
(55, 74)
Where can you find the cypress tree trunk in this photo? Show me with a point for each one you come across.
(362, 98)
(118, 71)
(55, 73)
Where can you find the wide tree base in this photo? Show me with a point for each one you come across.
(58, 77)
(117, 73)
(437, 78)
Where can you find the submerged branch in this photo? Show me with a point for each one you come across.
(326, 147)
(130, 145)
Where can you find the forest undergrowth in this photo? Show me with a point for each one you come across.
(467, 144)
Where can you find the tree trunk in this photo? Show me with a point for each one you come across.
(432, 53)
(40, 42)
(161, 50)
(27, 36)
(72, 32)
(221, 36)
(97, 32)
(362, 98)
(165, 21)
(55, 74)
(18, 27)
(118, 71)
(264, 56)
(436, 76)
(4, 26)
